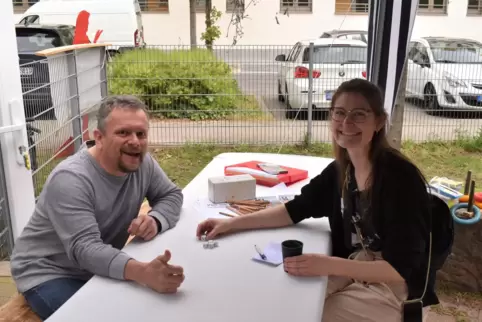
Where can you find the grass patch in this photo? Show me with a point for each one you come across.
(473, 300)
(182, 84)
(434, 159)
(183, 164)
(443, 159)
(456, 304)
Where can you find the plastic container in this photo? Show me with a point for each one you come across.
(462, 221)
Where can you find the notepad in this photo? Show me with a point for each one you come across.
(273, 253)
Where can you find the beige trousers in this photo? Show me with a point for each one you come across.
(348, 300)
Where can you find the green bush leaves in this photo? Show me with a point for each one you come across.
(191, 84)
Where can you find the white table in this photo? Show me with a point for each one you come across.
(222, 284)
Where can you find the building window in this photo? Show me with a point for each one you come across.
(474, 8)
(234, 4)
(201, 5)
(351, 6)
(154, 5)
(432, 6)
(20, 5)
(296, 5)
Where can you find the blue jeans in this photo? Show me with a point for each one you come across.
(46, 298)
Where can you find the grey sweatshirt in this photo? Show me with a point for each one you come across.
(81, 219)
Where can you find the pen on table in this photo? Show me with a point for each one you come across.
(226, 214)
(263, 256)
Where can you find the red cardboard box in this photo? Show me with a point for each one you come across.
(262, 178)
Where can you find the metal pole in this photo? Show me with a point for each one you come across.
(377, 42)
(309, 132)
(75, 101)
(103, 73)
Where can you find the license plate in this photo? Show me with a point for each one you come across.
(479, 98)
(26, 71)
(328, 95)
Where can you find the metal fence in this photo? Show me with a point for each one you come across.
(232, 95)
(260, 94)
(236, 95)
(60, 95)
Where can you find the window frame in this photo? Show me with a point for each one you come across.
(294, 52)
(28, 20)
(421, 50)
(200, 6)
(295, 8)
(230, 6)
(431, 10)
(19, 6)
(474, 11)
(150, 6)
(342, 6)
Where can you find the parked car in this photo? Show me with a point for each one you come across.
(119, 20)
(34, 70)
(334, 61)
(445, 73)
(347, 34)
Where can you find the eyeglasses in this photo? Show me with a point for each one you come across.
(357, 115)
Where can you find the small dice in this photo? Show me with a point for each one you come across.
(210, 244)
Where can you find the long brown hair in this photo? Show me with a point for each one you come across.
(379, 143)
(379, 146)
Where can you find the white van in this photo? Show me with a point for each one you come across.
(120, 20)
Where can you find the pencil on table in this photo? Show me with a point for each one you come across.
(226, 214)
(244, 207)
(236, 211)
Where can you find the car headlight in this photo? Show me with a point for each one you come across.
(454, 81)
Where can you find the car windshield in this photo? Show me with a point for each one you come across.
(29, 41)
(336, 54)
(457, 52)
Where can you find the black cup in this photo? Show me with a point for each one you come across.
(291, 248)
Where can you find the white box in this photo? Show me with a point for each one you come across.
(237, 187)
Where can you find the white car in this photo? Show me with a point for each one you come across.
(445, 73)
(119, 20)
(334, 61)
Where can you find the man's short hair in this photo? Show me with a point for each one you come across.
(117, 101)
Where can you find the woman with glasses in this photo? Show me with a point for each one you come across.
(378, 208)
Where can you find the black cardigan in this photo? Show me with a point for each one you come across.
(401, 212)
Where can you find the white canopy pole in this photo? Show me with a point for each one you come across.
(390, 26)
(18, 179)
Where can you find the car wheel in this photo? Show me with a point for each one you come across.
(281, 97)
(290, 113)
(430, 99)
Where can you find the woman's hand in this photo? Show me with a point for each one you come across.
(309, 265)
(214, 227)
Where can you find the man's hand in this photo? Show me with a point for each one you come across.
(143, 226)
(157, 274)
(163, 277)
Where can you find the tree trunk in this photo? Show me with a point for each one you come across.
(463, 269)
(208, 41)
(192, 23)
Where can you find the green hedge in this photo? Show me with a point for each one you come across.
(191, 84)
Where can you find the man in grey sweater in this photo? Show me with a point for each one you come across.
(88, 208)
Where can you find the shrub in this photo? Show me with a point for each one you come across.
(190, 84)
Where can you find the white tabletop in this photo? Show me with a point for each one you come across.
(222, 284)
